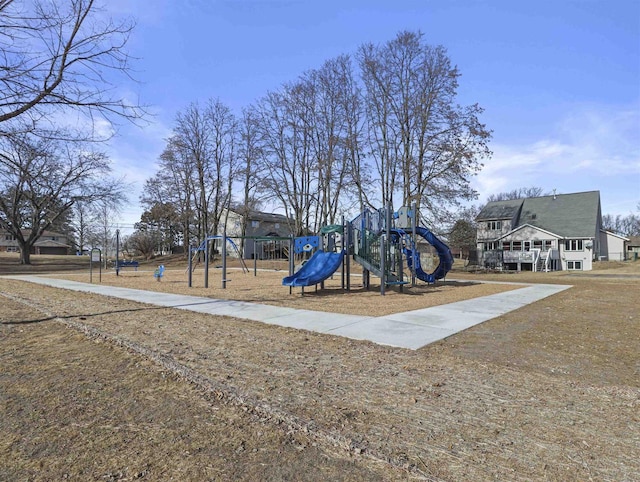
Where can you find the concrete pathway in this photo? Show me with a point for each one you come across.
(411, 329)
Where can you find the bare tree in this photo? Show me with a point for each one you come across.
(625, 225)
(174, 184)
(381, 127)
(359, 182)
(197, 168)
(162, 219)
(41, 180)
(312, 136)
(285, 118)
(250, 168)
(330, 131)
(518, 193)
(192, 140)
(143, 242)
(224, 164)
(60, 55)
(56, 57)
(82, 225)
(425, 145)
(105, 212)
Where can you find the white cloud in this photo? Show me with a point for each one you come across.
(134, 153)
(588, 148)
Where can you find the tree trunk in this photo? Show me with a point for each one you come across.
(25, 254)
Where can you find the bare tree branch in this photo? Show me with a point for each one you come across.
(56, 56)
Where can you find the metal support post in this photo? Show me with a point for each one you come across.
(117, 252)
(291, 259)
(224, 259)
(414, 251)
(382, 265)
(400, 266)
(347, 252)
(190, 267)
(342, 265)
(206, 262)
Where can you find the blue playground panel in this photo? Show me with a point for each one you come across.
(305, 244)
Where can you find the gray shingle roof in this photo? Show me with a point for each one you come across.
(569, 215)
(261, 216)
(500, 210)
(573, 215)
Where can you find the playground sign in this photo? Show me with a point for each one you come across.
(96, 257)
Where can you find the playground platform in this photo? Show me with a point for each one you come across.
(411, 329)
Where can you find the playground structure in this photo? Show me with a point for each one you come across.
(328, 256)
(379, 241)
(194, 258)
(383, 242)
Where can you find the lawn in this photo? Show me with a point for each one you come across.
(95, 388)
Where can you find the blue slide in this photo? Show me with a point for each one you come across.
(319, 267)
(444, 253)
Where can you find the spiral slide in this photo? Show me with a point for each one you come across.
(444, 253)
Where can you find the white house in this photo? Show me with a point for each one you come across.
(558, 232)
(612, 246)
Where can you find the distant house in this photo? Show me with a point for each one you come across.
(558, 232)
(633, 248)
(260, 226)
(49, 243)
(612, 246)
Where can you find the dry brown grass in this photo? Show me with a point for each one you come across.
(548, 392)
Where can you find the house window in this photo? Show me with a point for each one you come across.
(255, 224)
(573, 245)
(490, 246)
(517, 246)
(506, 246)
(548, 244)
(12, 249)
(9, 237)
(494, 225)
(574, 265)
(537, 244)
(527, 245)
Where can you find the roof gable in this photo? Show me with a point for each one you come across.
(523, 226)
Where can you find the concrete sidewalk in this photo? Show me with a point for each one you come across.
(411, 329)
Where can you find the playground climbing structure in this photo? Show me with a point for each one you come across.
(383, 243)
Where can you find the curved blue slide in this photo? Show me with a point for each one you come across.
(319, 267)
(444, 253)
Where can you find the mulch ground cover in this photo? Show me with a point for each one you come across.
(104, 389)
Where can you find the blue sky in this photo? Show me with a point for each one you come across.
(559, 80)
